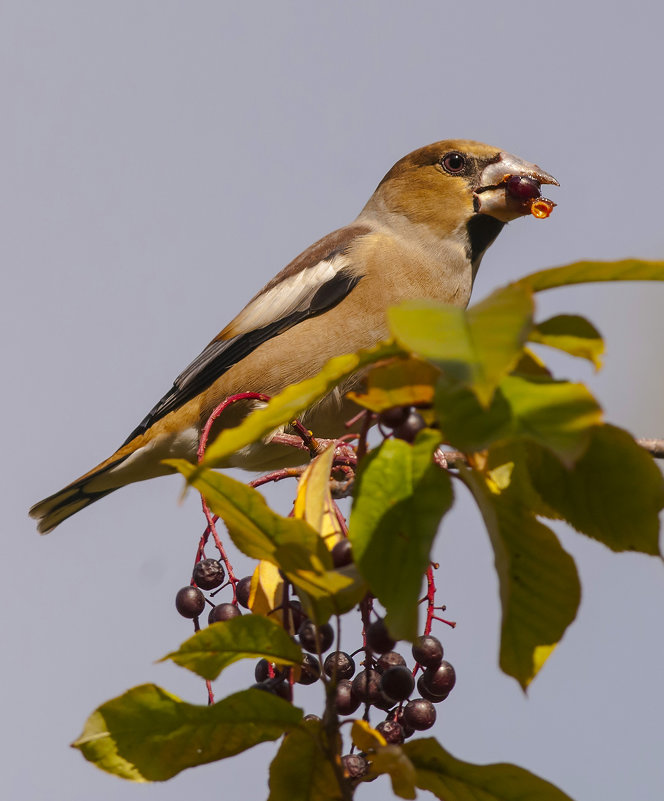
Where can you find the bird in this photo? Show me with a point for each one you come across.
(421, 235)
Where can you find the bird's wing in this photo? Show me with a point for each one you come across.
(317, 280)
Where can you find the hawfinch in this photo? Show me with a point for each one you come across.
(422, 234)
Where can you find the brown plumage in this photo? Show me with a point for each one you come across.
(421, 235)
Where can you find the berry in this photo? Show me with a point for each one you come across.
(346, 701)
(391, 418)
(441, 679)
(222, 612)
(262, 671)
(307, 634)
(366, 686)
(420, 714)
(397, 683)
(340, 664)
(190, 602)
(208, 574)
(280, 688)
(242, 590)
(342, 553)
(310, 669)
(425, 692)
(523, 188)
(428, 651)
(311, 717)
(355, 766)
(379, 638)
(410, 427)
(389, 659)
(391, 731)
(397, 716)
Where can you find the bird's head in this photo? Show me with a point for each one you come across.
(462, 189)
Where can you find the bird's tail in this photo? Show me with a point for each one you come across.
(75, 496)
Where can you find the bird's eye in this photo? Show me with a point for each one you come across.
(454, 163)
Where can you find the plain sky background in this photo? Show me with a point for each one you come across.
(160, 162)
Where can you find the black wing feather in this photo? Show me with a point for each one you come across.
(220, 355)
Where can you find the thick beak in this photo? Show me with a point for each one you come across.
(493, 196)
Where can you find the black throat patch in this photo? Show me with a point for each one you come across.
(482, 230)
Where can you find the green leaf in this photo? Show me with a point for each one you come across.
(451, 779)
(474, 347)
(301, 770)
(212, 649)
(399, 382)
(539, 585)
(583, 272)
(614, 493)
(327, 592)
(400, 498)
(255, 529)
(573, 334)
(556, 414)
(147, 734)
(287, 405)
(392, 760)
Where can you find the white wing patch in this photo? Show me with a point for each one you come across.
(292, 294)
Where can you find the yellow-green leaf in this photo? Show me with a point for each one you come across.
(613, 493)
(556, 414)
(400, 498)
(399, 382)
(450, 779)
(539, 584)
(287, 405)
(301, 770)
(211, 650)
(147, 734)
(313, 502)
(583, 272)
(365, 737)
(392, 760)
(475, 347)
(573, 334)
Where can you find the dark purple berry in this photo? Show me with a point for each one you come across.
(242, 590)
(420, 714)
(428, 651)
(280, 688)
(391, 418)
(339, 664)
(410, 427)
(262, 671)
(342, 553)
(397, 683)
(309, 634)
(190, 602)
(388, 660)
(355, 766)
(208, 574)
(310, 669)
(441, 679)
(222, 612)
(366, 686)
(346, 701)
(523, 188)
(426, 693)
(311, 717)
(391, 731)
(397, 716)
(379, 638)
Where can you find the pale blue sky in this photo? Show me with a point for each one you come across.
(160, 162)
